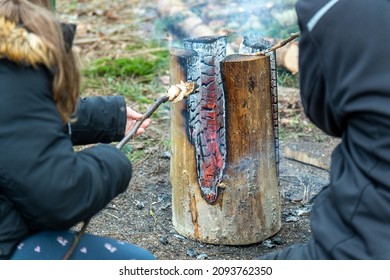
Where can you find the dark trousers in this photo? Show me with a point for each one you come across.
(53, 245)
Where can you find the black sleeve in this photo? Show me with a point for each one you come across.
(51, 185)
(342, 73)
(99, 120)
(313, 89)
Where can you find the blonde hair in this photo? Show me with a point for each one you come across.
(36, 17)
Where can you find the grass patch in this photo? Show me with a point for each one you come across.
(301, 129)
(120, 67)
(145, 66)
(138, 150)
(286, 79)
(134, 155)
(135, 76)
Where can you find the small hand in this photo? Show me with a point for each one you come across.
(132, 117)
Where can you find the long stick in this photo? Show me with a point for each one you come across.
(175, 93)
(278, 45)
(76, 240)
(139, 122)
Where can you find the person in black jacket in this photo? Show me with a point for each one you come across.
(45, 186)
(344, 57)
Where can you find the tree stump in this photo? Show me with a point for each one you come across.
(223, 165)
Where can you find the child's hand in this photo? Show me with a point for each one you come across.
(132, 117)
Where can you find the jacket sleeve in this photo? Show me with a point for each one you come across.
(99, 120)
(314, 95)
(50, 184)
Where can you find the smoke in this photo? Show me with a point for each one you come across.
(177, 20)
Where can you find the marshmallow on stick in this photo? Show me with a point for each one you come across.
(180, 91)
(174, 94)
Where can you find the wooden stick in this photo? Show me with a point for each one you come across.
(175, 93)
(138, 123)
(278, 45)
(76, 240)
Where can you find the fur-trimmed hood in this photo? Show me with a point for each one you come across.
(21, 46)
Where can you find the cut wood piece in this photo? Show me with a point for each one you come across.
(287, 57)
(251, 173)
(182, 18)
(309, 153)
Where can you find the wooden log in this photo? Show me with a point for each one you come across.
(315, 154)
(247, 209)
(251, 159)
(183, 21)
(287, 57)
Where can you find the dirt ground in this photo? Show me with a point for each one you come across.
(142, 215)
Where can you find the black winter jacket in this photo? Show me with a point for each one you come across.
(44, 183)
(345, 88)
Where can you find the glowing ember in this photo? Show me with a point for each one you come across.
(207, 114)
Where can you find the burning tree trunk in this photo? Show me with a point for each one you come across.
(223, 166)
